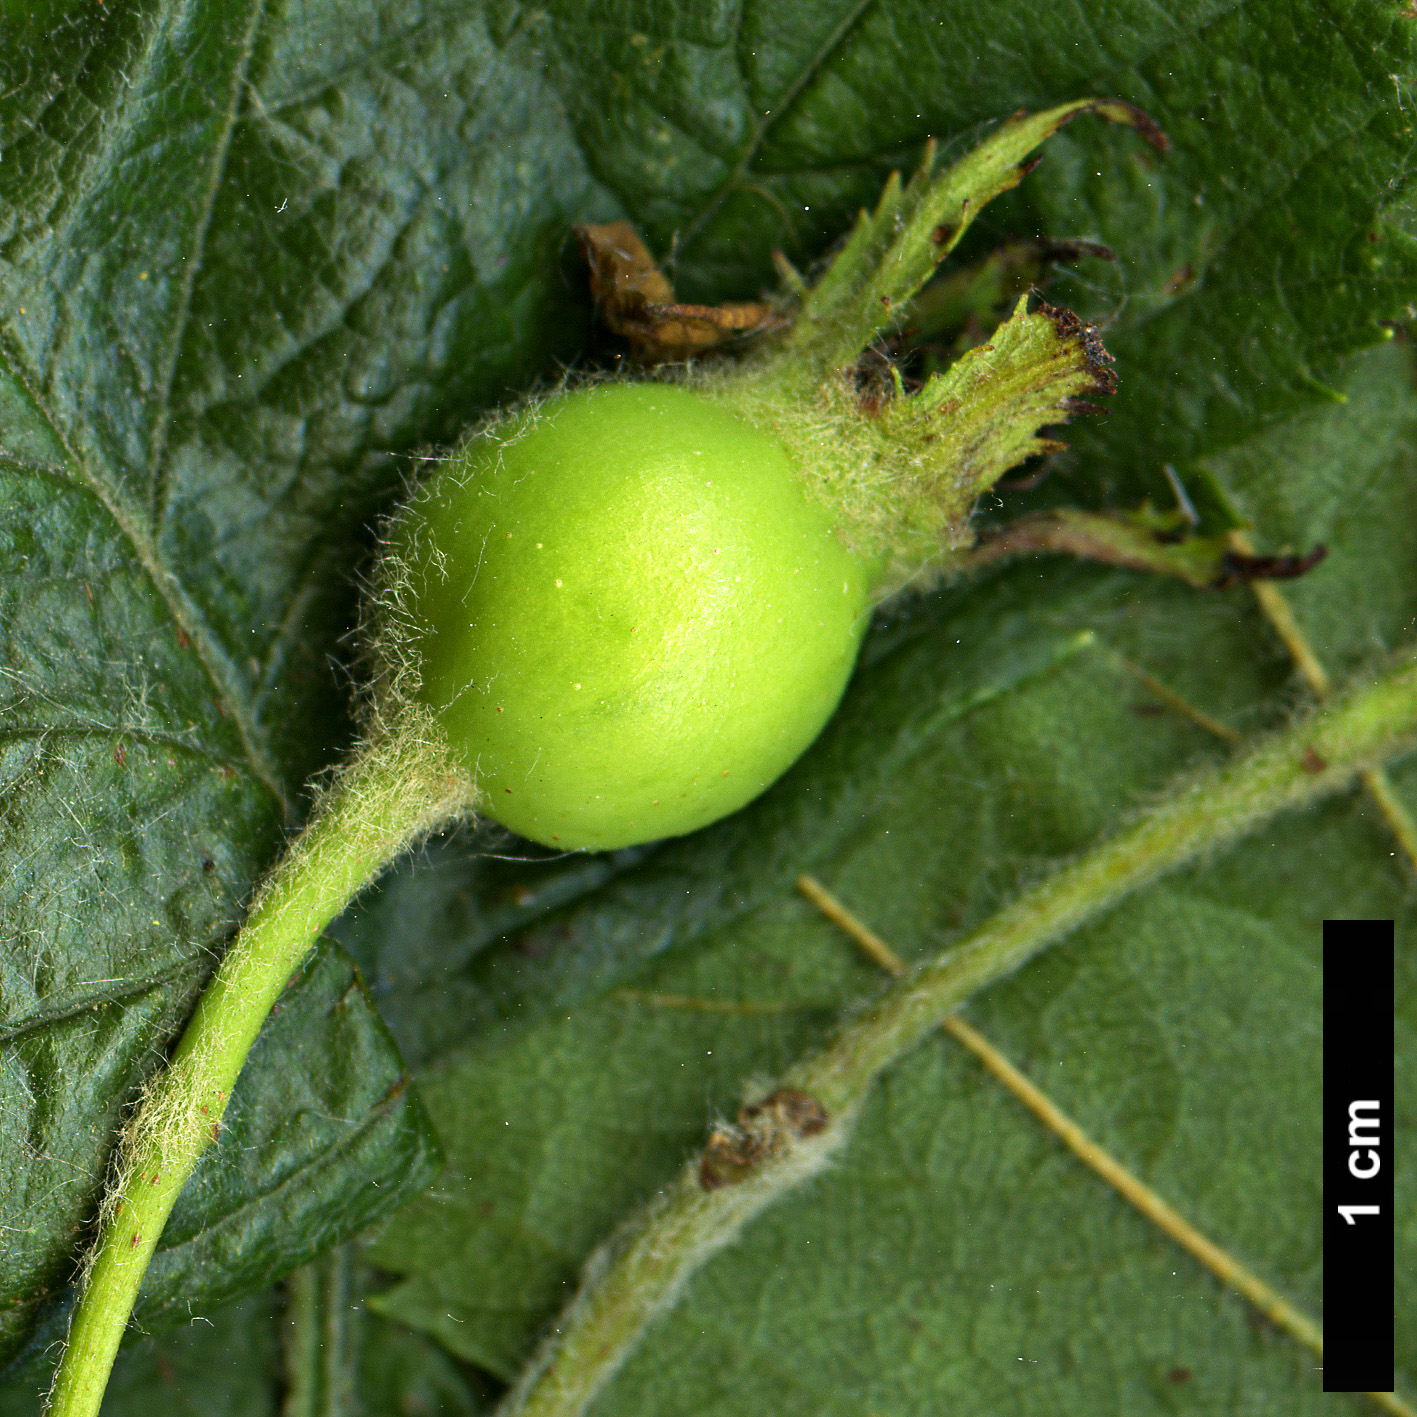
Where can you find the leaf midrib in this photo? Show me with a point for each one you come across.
(180, 604)
(190, 266)
(169, 588)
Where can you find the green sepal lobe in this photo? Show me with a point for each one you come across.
(1142, 539)
(894, 250)
(904, 472)
(983, 415)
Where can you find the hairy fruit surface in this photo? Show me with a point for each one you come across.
(628, 614)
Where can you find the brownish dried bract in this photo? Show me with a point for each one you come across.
(1119, 111)
(635, 298)
(1243, 568)
(1143, 540)
(762, 1130)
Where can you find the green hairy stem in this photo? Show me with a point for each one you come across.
(396, 791)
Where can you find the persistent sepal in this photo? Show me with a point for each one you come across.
(636, 300)
(1142, 540)
(894, 250)
(984, 414)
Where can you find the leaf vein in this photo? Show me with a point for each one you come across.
(169, 589)
(764, 124)
(182, 306)
(132, 989)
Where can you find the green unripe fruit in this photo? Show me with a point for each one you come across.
(627, 613)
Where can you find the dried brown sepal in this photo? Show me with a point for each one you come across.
(1142, 540)
(636, 300)
(1241, 569)
(985, 413)
(762, 1130)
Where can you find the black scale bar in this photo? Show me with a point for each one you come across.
(1358, 1155)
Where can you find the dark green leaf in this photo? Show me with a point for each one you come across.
(243, 1359)
(224, 1365)
(322, 1137)
(341, 1360)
